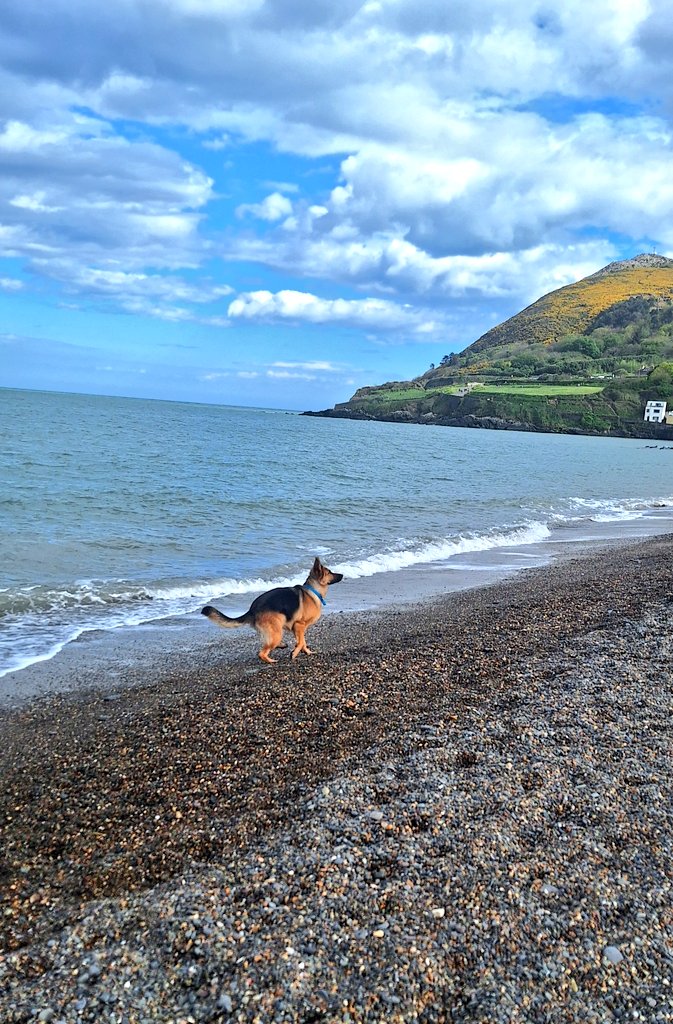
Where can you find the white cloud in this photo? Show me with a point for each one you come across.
(322, 365)
(214, 9)
(33, 202)
(81, 193)
(272, 207)
(17, 137)
(311, 370)
(125, 285)
(160, 296)
(594, 171)
(290, 375)
(390, 264)
(11, 284)
(303, 307)
(485, 152)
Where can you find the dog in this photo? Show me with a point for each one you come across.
(291, 608)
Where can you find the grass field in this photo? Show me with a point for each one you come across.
(539, 390)
(405, 394)
(530, 390)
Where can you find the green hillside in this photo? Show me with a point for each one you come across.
(583, 359)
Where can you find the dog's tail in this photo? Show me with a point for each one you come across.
(223, 620)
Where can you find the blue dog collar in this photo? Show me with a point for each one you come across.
(313, 591)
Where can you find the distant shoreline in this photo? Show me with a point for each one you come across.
(636, 432)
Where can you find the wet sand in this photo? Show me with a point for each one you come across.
(458, 811)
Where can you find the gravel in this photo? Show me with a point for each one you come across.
(459, 812)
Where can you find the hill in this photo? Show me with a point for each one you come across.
(617, 310)
(584, 359)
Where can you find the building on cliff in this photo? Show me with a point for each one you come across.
(655, 412)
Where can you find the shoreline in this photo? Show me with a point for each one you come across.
(128, 656)
(469, 799)
(637, 429)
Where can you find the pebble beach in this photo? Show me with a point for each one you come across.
(458, 811)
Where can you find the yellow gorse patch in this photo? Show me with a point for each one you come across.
(571, 309)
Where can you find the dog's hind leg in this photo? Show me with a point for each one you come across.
(299, 630)
(270, 629)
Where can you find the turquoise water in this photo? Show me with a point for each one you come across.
(115, 512)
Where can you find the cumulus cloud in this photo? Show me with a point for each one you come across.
(381, 72)
(272, 207)
(387, 264)
(303, 307)
(396, 211)
(480, 151)
(81, 192)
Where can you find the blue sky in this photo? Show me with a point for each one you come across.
(272, 203)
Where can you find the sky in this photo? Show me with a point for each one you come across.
(274, 202)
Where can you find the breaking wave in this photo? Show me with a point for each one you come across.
(441, 551)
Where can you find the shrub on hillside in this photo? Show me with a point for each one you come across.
(660, 381)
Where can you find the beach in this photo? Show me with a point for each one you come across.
(459, 810)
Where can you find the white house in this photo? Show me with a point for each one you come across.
(655, 412)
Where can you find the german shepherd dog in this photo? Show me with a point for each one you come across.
(291, 608)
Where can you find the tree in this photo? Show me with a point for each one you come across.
(637, 333)
(660, 380)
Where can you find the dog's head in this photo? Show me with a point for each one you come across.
(323, 575)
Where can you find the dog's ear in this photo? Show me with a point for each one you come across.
(317, 568)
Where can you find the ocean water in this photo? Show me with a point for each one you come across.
(120, 512)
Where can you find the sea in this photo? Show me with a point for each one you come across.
(120, 514)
